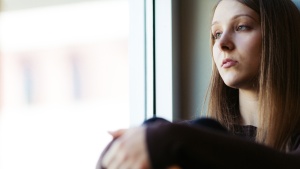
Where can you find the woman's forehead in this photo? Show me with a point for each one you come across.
(229, 9)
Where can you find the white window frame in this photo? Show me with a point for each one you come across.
(151, 60)
(137, 62)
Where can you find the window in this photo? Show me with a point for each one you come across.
(64, 83)
(68, 76)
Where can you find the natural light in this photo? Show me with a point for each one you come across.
(64, 83)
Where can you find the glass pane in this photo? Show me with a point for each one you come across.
(64, 83)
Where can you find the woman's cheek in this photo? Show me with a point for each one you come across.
(215, 54)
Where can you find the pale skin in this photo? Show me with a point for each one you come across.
(237, 53)
(238, 39)
(134, 159)
(127, 152)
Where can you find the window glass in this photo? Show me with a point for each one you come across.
(64, 83)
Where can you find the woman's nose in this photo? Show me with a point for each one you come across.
(226, 42)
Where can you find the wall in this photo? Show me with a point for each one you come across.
(194, 58)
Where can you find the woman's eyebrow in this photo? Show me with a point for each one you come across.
(245, 15)
(237, 16)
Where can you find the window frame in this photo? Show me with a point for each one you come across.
(152, 60)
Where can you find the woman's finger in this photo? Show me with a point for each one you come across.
(128, 150)
(140, 163)
(117, 133)
(111, 155)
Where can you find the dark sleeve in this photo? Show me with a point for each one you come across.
(193, 147)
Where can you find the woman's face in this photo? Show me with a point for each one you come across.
(237, 43)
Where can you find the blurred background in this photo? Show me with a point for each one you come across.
(64, 80)
(71, 70)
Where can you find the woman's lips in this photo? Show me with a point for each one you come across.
(227, 63)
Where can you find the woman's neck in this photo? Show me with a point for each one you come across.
(249, 108)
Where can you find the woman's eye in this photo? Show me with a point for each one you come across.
(217, 35)
(242, 28)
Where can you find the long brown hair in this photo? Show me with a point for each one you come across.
(278, 81)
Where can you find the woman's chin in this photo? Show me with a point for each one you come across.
(232, 84)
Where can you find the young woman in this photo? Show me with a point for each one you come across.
(254, 94)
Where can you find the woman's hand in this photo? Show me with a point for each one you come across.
(128, 151)
(117, 133)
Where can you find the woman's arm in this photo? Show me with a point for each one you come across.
(187, 146)
(200, 147)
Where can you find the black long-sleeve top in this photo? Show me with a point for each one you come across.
(192, 146)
